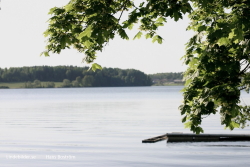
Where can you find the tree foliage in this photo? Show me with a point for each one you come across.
(36, 84)
(218, 59)
(217, 55)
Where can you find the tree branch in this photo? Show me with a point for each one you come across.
(243, 88)
(123, 8)
(245, 69)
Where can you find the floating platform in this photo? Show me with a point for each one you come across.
(155, 139)
(187, 137)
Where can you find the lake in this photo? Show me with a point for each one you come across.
(96, 127)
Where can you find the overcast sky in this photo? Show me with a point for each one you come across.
(22, 23)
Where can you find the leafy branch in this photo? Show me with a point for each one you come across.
(215, 55)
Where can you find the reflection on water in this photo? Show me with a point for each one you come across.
(227, 145)
(105, 127)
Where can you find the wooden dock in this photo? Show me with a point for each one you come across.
(155, 139)
(187, 137)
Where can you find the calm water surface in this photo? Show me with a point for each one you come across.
(105, 127)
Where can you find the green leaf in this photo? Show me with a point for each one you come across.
(123, 34)
(238, 35)
(130, 27)
(177, 16)
(234, 125)
(188, 124)
(198, 130)
(87, 32)
(46, 33)
(68, 7)
(231, 35)
(45, 53)
(100, 39)
(184, 119)
(96, 66)
(87, 44)
(158, 24)
(157, 38)
(141, 4)
(223, 41)
(149, 35)
(161, 19)
(202, 28)
(51, 11)
(138, 35)
(63, 42)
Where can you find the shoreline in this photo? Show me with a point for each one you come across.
(20, 85)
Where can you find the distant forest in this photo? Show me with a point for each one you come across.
(73, 76)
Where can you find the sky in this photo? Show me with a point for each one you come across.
(22, 24)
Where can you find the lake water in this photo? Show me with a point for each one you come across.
(80, 127)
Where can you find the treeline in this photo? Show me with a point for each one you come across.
(38, 84)
(73, 76)
(166, 78)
